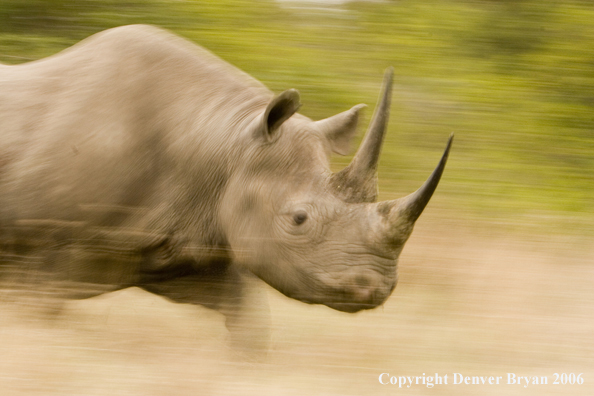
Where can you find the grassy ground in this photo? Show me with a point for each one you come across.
(469, 301)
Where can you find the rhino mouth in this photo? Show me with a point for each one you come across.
(365, 289)
(351, 301)
(350, 307)
(355, 300)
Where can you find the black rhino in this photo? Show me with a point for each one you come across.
(136, 158)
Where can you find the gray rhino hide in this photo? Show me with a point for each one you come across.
(136, 158)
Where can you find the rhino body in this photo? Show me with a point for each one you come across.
(136, 158)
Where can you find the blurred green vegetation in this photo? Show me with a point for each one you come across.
(513, 79)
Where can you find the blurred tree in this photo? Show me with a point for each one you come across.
(68, 16)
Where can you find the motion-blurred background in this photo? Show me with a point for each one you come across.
(497, 278)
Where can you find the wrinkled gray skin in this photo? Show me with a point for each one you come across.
(136, 158)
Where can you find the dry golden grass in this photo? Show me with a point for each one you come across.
(470, 300)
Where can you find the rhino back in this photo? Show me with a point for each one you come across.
(133, 117)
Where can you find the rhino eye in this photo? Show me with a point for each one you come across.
(300, 217)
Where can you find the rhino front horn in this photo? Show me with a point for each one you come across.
(358, 181)
(402, 213)
(412, 205)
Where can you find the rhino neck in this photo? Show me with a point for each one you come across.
(204, 156)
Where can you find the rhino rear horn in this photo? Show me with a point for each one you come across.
(358, 181)
(280, 109)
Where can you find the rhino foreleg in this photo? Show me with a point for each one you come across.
(248, 317)
(222, 287)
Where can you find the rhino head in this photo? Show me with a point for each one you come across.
(317, 236)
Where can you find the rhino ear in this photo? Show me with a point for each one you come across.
(278, 111)
(341, 128)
